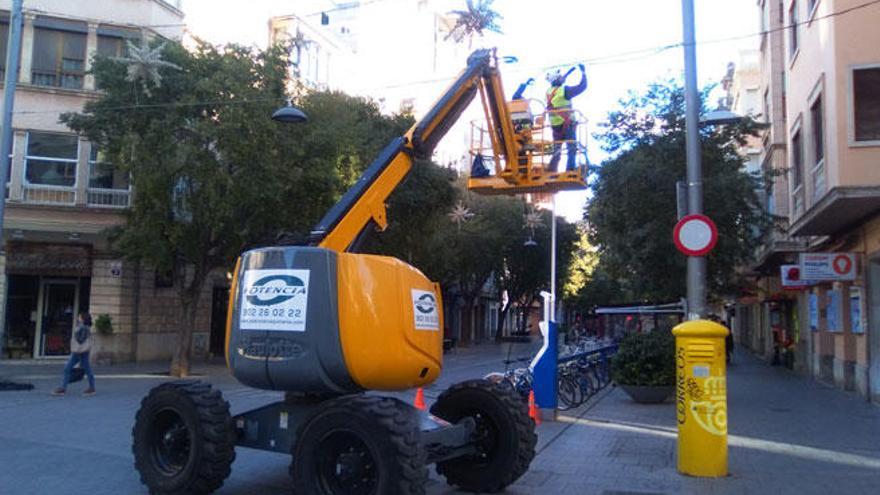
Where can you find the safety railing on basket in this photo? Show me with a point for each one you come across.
(538, 144)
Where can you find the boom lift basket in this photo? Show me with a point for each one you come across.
(535, 146)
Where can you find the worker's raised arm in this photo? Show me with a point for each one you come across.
(363, 204)
(580, 87)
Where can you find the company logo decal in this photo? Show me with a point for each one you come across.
(274, 289)
(274, 300)
(426, 304)
(426, 314)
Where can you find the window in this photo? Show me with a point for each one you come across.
(111, 46)
(51, 159)
(112, 40)
(103, 175)
(4, 38)
(765, 19)
(866, 104)
(797, 160)
(59, 57)
(818, 131)
(793, 28)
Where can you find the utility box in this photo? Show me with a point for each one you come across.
(701, 398)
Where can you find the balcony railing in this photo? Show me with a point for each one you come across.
(49, 195)
(108, 198)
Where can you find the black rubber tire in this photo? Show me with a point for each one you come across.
(389, 431)
(509, 445)
(200, 414)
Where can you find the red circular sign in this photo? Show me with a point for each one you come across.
(842, 264)
(695, 235)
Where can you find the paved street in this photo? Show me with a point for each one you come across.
(788, 435)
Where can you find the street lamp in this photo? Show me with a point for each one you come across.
(289, 114)
(722, 117)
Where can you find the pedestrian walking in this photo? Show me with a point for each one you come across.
(80, 345)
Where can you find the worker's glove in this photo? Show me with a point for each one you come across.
(530, 81)
(582, 68)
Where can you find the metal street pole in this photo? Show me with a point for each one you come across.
(553, 260)
(12, 59)
(13, 51)
(696, 266)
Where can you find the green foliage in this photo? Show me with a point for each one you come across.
(104, 324)
(645, 359)
(633, 211)
(212, 173)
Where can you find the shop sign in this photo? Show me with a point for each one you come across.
(49, 259)
(828, 266)
(791, 277)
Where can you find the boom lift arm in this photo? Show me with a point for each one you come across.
(363, 204)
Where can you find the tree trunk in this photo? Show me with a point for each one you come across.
(180, 363)
(189, 298)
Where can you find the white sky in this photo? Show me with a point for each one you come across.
(540, 34)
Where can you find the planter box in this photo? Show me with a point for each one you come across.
(648, 394)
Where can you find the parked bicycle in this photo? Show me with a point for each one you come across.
(584, 370)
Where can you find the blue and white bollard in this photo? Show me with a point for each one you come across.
(544, 366)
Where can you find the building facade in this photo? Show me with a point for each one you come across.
(62, 197)
(828, 141)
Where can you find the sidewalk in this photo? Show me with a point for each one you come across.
(787, 435)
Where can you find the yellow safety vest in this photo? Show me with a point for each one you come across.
(558, 104)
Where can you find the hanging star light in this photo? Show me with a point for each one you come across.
(144, 64)
(533, 220)
(460, 214)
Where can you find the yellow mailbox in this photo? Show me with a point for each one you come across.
(701, 398)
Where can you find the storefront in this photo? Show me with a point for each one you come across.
(47, 285)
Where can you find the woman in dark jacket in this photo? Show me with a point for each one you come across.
(80, 345)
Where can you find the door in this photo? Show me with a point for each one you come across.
(874, 328)
(57, 316)
(219, 308)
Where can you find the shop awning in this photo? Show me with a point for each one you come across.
(669, 308)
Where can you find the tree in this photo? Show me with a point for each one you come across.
(212, 174)
(477, 18)
(633, 211)
(526, 267)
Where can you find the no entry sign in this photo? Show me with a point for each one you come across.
(695, 235)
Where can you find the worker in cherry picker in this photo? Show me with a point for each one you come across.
(562, 120)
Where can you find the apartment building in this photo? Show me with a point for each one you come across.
(62, 197)
(822, 97)
(767, 311)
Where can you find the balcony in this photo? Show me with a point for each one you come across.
(108, 198)
(837, 210)
(90, 197)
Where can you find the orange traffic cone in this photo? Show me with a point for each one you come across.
(534, 413)
(419, 403)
